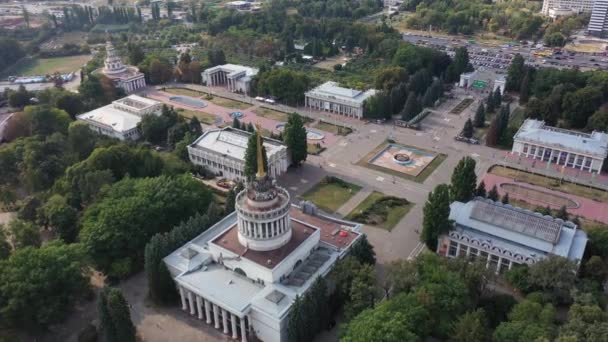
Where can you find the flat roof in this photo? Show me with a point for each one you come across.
(115, 118)
(333, 90)
(535, 131)
(229, 240)
(233, 69)
(233, 142)
(520, 227)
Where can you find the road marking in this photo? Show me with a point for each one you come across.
(373, 131)
(380, 179)
(303, 181)
(475, 155)
(332, 165)
(414, 253)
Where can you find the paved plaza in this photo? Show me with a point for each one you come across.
(402, 159)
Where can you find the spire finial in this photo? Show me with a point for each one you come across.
(261, 173)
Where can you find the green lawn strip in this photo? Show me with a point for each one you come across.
(228, 103)
(331, 193)
(203, 117)
(380, 210)
(334, 129)
(420, 178)
(461, 106)
(551, 183)
(271, 114)
(45, 66)
(184, 91)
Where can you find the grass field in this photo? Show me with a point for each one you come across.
(420, 178)
(203, 117)
(228, 103)
(552, 183)
(331, 193)
(334, 129)
(44, 66)
(386, 220)
(184, 92)
(271, 114)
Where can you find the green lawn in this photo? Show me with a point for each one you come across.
(334, 129)
(422, 176)
(552, 183)
(228, 103)
(331, 193)
(44, 66)
(271, 114)
(184, 92)
(203, 117)
(383, 216)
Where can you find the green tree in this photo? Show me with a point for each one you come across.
(5, 246)
(436, 220)
(562, 213)
(515, 73)
(524, 88)
(363, 292)
(467, 130)
(464, 180)
(82, 139)
(294, 137)
(493, 193)
(133, 210)
(71, 103)
(45, 120)
(555, 276)
(479, 120)
(153, 128)
(505, 198)
(381, 325)
(39, 285)
(62, 217)
(481, 189)
(364, 251)
(595, 269)
(471, 327)
(295, 329)
(24, 234)
(578, 106)
(411, 107)
(115, 317)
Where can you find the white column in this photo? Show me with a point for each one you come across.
(233, 321)
(199, 307)
(191, 302)
(225, 321)
(181, 294)
(457, 250)
(216, 317)
(243, 330)
(498, 265)
(583, 163)
(207, 311)
(510, 264)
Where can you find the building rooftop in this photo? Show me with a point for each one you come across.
(232, 142)
(234, 69)
(117, 115)
(519, 227)
(535, 131)
(333, 90)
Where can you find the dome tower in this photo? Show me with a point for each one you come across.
(263, 211)
(112, 64)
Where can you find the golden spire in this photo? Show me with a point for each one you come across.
(261, 173)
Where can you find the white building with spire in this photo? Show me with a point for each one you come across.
(124, 76)
(242, 275)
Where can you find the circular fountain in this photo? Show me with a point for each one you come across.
(236, 115)
(310, 133)
(402, 159)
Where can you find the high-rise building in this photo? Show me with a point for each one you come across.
(598, 24)
(557, 8)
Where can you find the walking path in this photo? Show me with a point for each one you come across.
(354, 201)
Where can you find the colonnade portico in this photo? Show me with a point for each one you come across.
(560, 157)
(211, 313)
(334, 107)
(220, 78)
(496, 262)
(132, 85)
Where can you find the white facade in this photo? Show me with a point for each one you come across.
(237, 78)
(124, 76)
(120, 118)
(330, 97)
(223, 152)
(245, 292)
(552, 7)
(505, 236)
(598, 23)
(573, 149)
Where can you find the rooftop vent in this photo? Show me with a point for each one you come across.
(269, 262)
(275, 296)
(189, 253)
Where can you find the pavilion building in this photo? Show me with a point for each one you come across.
(330, 97)
(242, 274)
(223, 152)
(119, 119)
(127, 77)
(573, 149)
(504, 236)
(237, 78)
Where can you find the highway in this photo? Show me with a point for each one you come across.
(499, 57)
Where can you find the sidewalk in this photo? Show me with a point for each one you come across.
(352, 203)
